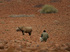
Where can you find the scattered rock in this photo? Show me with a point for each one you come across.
(68, 48)
(42, 51)
(11, 49)
(56, 22)
(25, 50)
(19, 1)
(63, 46)
(37, 45)
(8, 0)
(68, 44)
(19, 47)
(52, 48)
(2, 46)
(55, 0)
(39, 5)
(18, 41)
(28, 44)
(31, 48)
(68, 6)
(57, 46)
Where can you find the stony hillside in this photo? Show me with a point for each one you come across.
(57, 26)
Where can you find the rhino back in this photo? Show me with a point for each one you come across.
(28, 29)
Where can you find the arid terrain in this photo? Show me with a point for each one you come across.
(57, 26)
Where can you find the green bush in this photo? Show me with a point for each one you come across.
(1, 1)
(23, 39)
(48, 9)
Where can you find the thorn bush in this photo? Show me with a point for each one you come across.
(48, 9)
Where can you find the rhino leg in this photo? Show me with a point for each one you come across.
(23, 32)
(29, 33)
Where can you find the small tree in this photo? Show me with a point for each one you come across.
(48, 9)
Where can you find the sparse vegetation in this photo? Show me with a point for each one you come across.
(19, 13)
(23, 15)
(2, 22)
(1, 1)
(55, 0)
(27, 40)
(23, 39)
(6, 30)
(48, 9)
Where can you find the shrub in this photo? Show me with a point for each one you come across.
(1, 1)
(6, 30)
(48, 9)
(22, 15)
(2, 22)
(23, 39)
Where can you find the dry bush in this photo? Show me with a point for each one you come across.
(48, 9)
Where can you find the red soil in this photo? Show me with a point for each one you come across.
(57, 25)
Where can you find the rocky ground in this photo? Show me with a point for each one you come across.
(57, 26)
